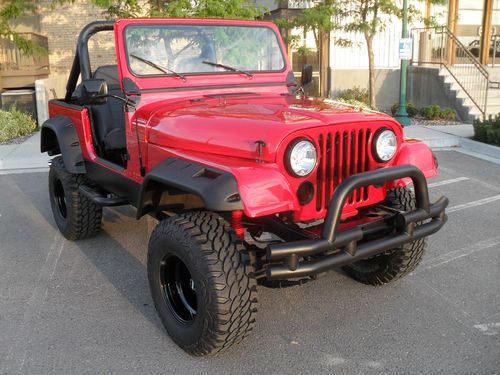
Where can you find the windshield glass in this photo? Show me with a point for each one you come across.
(197, 48)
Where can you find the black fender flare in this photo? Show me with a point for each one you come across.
(58, 136)
(218, 189)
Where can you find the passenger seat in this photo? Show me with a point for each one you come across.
(109, 118)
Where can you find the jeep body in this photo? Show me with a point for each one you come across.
(203, 116)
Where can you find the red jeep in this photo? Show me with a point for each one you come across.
(201, 124)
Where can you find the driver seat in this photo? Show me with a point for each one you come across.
(109, 118)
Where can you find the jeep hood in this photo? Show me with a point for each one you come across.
(231, 125)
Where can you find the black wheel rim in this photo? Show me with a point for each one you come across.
(60, 198)
(179, 290)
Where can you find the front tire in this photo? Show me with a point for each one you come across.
(201, 283)
(394, 264)
(76, 216)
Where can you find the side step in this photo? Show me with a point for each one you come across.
(101, 198)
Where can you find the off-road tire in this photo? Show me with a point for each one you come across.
(396, 263)
(222, 278)
(76, 216)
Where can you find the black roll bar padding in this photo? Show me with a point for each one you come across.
(376, 177)
(81, 63)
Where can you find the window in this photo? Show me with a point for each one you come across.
(187, 48)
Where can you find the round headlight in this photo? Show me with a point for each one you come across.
(385, 145)
(301, 157)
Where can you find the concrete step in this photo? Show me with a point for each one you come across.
(493, 100)
(493, 93)
(468, 86)
(465, 107)
(493, 109)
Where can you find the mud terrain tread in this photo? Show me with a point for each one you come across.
(84, 216)
(230, 289)
(402, 261)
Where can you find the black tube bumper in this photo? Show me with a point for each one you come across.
(343, 247)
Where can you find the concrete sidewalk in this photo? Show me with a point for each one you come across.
(23, 156)
(27, 157)
(458, 137)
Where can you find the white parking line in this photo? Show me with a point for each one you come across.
(479, 202)
(447, 182)
(460, 253)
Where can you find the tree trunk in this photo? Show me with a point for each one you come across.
(324, 57)
(371, 69)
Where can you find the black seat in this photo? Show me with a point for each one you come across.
(109, 118)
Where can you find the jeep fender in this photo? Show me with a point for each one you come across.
(417, 153)
(217, 189)
(58, 136)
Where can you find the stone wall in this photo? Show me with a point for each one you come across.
(62, 24)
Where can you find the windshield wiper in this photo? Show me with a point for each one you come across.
(228, 68)
(159, 67)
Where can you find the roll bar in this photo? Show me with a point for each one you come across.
(81, 62)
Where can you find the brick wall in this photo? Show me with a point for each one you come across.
(62, 25)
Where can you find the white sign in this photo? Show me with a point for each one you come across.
(405, 48)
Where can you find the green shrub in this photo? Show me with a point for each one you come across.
(431, 112)
(356, 94)
(435, 112)
(487, 130)
(448, 114)
(410, 109)
(15, 124)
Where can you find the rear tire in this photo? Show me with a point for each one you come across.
(202, 285)
(76, 216)
(385, 268)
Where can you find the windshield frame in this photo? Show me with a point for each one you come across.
(201, 24)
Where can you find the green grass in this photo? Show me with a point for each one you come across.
(14, 124)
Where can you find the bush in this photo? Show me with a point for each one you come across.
(448, 114)
(435, 112)
(356, 94)
(410, 109)
(15, 124)
(488, 130)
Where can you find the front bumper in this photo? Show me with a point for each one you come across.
(294, 259)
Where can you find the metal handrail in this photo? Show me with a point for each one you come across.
(469, 73)
(469, 55)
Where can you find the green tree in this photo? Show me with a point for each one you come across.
(368, 17)
(10, 10)
(318, 19)
(243, 9)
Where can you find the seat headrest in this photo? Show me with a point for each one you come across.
(109, 73)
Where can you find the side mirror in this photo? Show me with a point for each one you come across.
(307, 75)
(94, 91)
(131, 89)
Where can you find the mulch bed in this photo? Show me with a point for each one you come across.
(425, 122)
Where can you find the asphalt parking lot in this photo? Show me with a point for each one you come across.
(85, 307)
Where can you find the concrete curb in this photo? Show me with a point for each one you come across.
(480, 150)
(442, 143)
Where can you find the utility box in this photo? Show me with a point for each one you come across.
(24, 100)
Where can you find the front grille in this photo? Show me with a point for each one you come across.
(341, 154)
